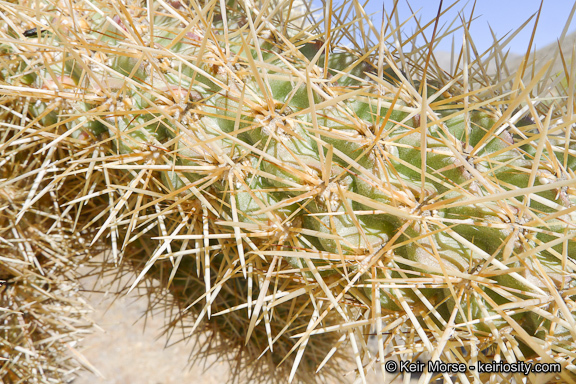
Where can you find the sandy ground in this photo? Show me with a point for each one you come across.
(130, 349)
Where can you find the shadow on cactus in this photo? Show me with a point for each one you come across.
(266, 163)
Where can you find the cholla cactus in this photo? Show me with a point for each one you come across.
(42, 315)
(382, 192)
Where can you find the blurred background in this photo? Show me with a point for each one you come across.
(490, 18)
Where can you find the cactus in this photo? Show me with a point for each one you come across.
(236, 142)
(43, 317)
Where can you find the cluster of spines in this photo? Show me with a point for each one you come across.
(43, 318)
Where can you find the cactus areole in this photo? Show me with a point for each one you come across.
(390, 193)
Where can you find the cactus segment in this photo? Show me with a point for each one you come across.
(230, 136)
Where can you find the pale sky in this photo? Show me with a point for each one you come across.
(503, 16)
